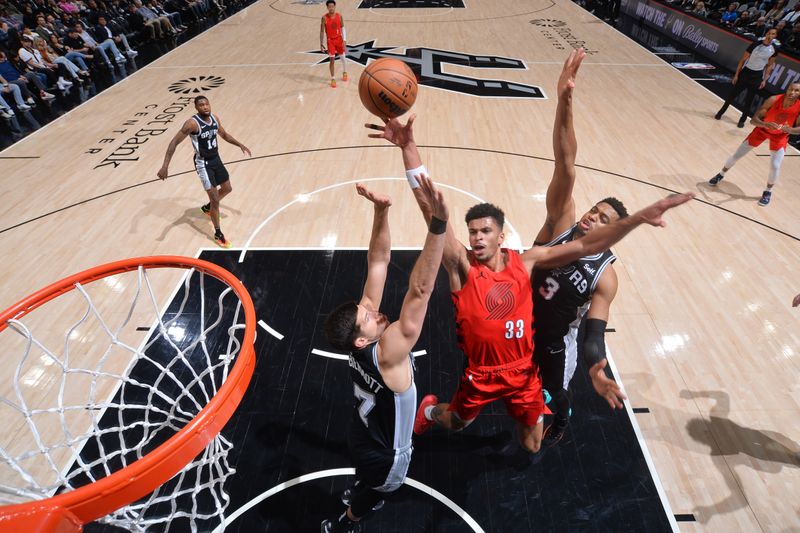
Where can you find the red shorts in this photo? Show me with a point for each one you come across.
(335, 47)
(517, 384)
(776, 140)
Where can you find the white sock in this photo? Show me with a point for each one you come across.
(429, 412)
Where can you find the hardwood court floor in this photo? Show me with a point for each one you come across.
(705, 336)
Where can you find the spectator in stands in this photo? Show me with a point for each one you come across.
(22, 78)
(793, 41)
(741, 22)
(699, 9)
(174, 18)
(783, 32)
(752, 73)
(19, 93)
(791, 18)
(28, 17)
(136, 23)
(103, 48)
(54, 73)
(729, 16)
(776, 13)
(151, 19)
(103, 31)
(51, 56)
(69, 7)
(76, 57)
(759, 27)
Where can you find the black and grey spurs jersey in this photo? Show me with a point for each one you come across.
(561, 295)
(383, 417)
(205, 141)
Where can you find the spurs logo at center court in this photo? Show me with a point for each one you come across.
(428, 63)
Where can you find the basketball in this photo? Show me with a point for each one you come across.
(388, 88)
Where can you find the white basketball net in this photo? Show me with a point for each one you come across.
(82, 407)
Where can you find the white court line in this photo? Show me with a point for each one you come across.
(270, 330)
(235, 65)
(330, 355)
(643, 445)
(348, 472)
(513, 241)
(342, 357)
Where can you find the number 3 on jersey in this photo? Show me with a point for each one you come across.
(551, 289)
(515, 329)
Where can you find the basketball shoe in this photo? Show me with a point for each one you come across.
(340, 525)
(333, 83)
(716, 179)
(221, 241)
(766, 196)
(345, 77)
(347, 496)
(206, 209)
(421, 423)
(555, 431)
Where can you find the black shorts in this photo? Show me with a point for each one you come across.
(212, 172)
(381, 470)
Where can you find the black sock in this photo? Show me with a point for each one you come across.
(207, 206)
(218, 232)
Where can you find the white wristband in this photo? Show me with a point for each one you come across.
(411, 175)
(344, 34)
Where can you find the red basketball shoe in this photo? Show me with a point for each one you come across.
(422, 424)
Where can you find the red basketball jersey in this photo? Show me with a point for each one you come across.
(494, 313)
(779, 115)
(333, 26)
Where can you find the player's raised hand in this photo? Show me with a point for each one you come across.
(605, 387)
(796, 301)
(566, 82)
(653, 213)
(380, 200)
(394, 131)
(433, 197)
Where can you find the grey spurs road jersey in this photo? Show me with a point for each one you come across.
(205, 141)
(561, 295)
(382, 416)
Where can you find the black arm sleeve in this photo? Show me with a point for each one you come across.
(594, 344)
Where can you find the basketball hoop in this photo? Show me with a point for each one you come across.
(159, 415)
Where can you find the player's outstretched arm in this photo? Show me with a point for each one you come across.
(380, 244)
(594, 344)
(603, 238)
(559, 201)
(796, 301)
(402, 136)
(190, 126)
(229, 138)
(400, 337)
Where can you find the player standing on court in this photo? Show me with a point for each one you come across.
(381, 364)
(776, 120)
(202, 129)
(491, 291)
(332, 27)
(561, 295)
